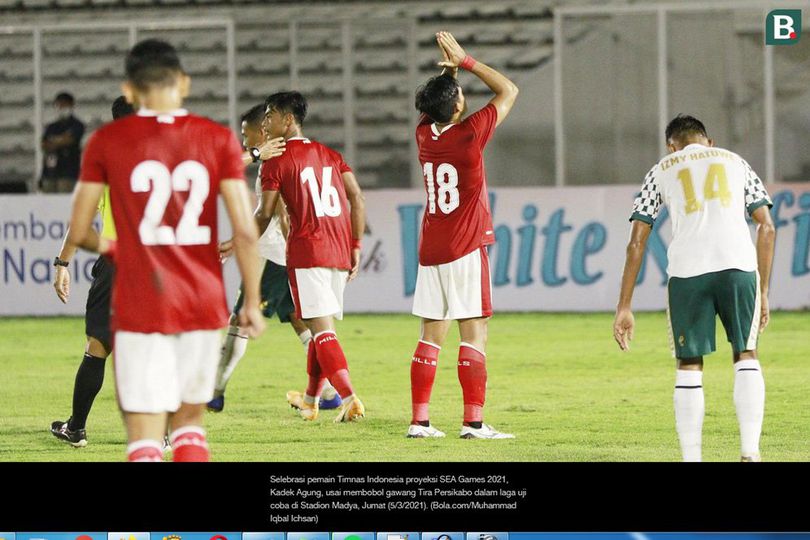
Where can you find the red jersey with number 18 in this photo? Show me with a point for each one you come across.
(308, 176)
(164, 171)
(457, 218)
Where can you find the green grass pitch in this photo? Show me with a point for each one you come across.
(557, 381)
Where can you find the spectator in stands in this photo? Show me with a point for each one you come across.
(62, 146)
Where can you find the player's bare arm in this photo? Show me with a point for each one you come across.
(283, 219)
(61, 281)
(237, 203)
(624, 322)
(266, 150)
(766, 239)
(81, 232)
(358, 217)
(262, 216)
(505, 90)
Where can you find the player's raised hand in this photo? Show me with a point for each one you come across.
(271, 148)
(225, 250)
(765, 314)
(623, 326)
(251, 321)
(355, 264)
(452, 51)
(61, 283)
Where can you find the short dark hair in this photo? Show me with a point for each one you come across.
(153, 62)
(120, 108)
(684, 125)
(288, 102)
(254, 116)
(66, 97)
(437, 98)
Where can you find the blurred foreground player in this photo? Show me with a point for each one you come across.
(275, 286)
(90, 375)
(327, 218)
(714, 269)
(163, 192)
(453, 279)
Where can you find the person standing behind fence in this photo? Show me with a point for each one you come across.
(61, 144)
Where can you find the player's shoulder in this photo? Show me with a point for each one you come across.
(203, 122)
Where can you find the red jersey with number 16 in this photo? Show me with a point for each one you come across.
(457, 218)
(308, 176)
(164, 172)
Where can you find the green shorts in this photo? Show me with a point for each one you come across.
(694, 302)
(275, 293)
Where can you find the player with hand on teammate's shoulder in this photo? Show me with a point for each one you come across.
(168, 297)
(714, 270)
(453, 280)
(327, 220)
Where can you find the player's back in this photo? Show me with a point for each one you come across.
(163, 173)
(708, 191)
(309, 177)
(457, 218)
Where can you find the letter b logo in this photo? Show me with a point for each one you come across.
(783, 27)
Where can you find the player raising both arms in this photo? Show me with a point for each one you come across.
(453, 280)
(327, 217)
(275, 286)
(163, 192)
(714, 269)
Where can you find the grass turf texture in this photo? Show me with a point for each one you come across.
(557, 381)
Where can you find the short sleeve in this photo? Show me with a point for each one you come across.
(93, 167)
(755, 193)
(482, 123)
(270, 175)
(342, 166)
(648, 202)
(231, 166)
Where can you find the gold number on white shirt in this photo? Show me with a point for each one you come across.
(327, 202)
(154, 176)
(446, 180)
(714, 187)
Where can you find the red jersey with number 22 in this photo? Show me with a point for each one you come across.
(308, 176)
(164, 172)
(457, 218)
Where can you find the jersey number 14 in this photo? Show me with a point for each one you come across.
(714, 187)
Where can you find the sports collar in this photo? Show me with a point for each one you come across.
(298, 139)
(436, 130)
(143, 111)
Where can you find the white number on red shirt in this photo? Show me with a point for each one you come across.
(327, 202)
(446, 180)
(154, 176)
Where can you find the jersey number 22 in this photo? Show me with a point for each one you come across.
(191, 176)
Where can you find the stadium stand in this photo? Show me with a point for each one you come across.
(514, 35)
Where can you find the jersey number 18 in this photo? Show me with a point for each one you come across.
(443, 187)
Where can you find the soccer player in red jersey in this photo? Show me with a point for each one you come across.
(164, 168)
(327, 219)
(453, 280)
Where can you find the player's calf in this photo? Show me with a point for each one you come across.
(423, 374)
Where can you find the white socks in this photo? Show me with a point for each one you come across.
(749, 400)
(689, 410)
(233, 349)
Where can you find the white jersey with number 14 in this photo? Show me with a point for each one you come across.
(708, 192)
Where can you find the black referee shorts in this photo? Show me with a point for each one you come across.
(97, 315)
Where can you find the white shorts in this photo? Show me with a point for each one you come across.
(155, 373)
(317, 292)
(460, 289)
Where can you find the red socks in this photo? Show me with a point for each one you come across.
(189, 444)
(316, 378)
(145, 450)
(333, 362)
(472, 374)
(423, 373)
